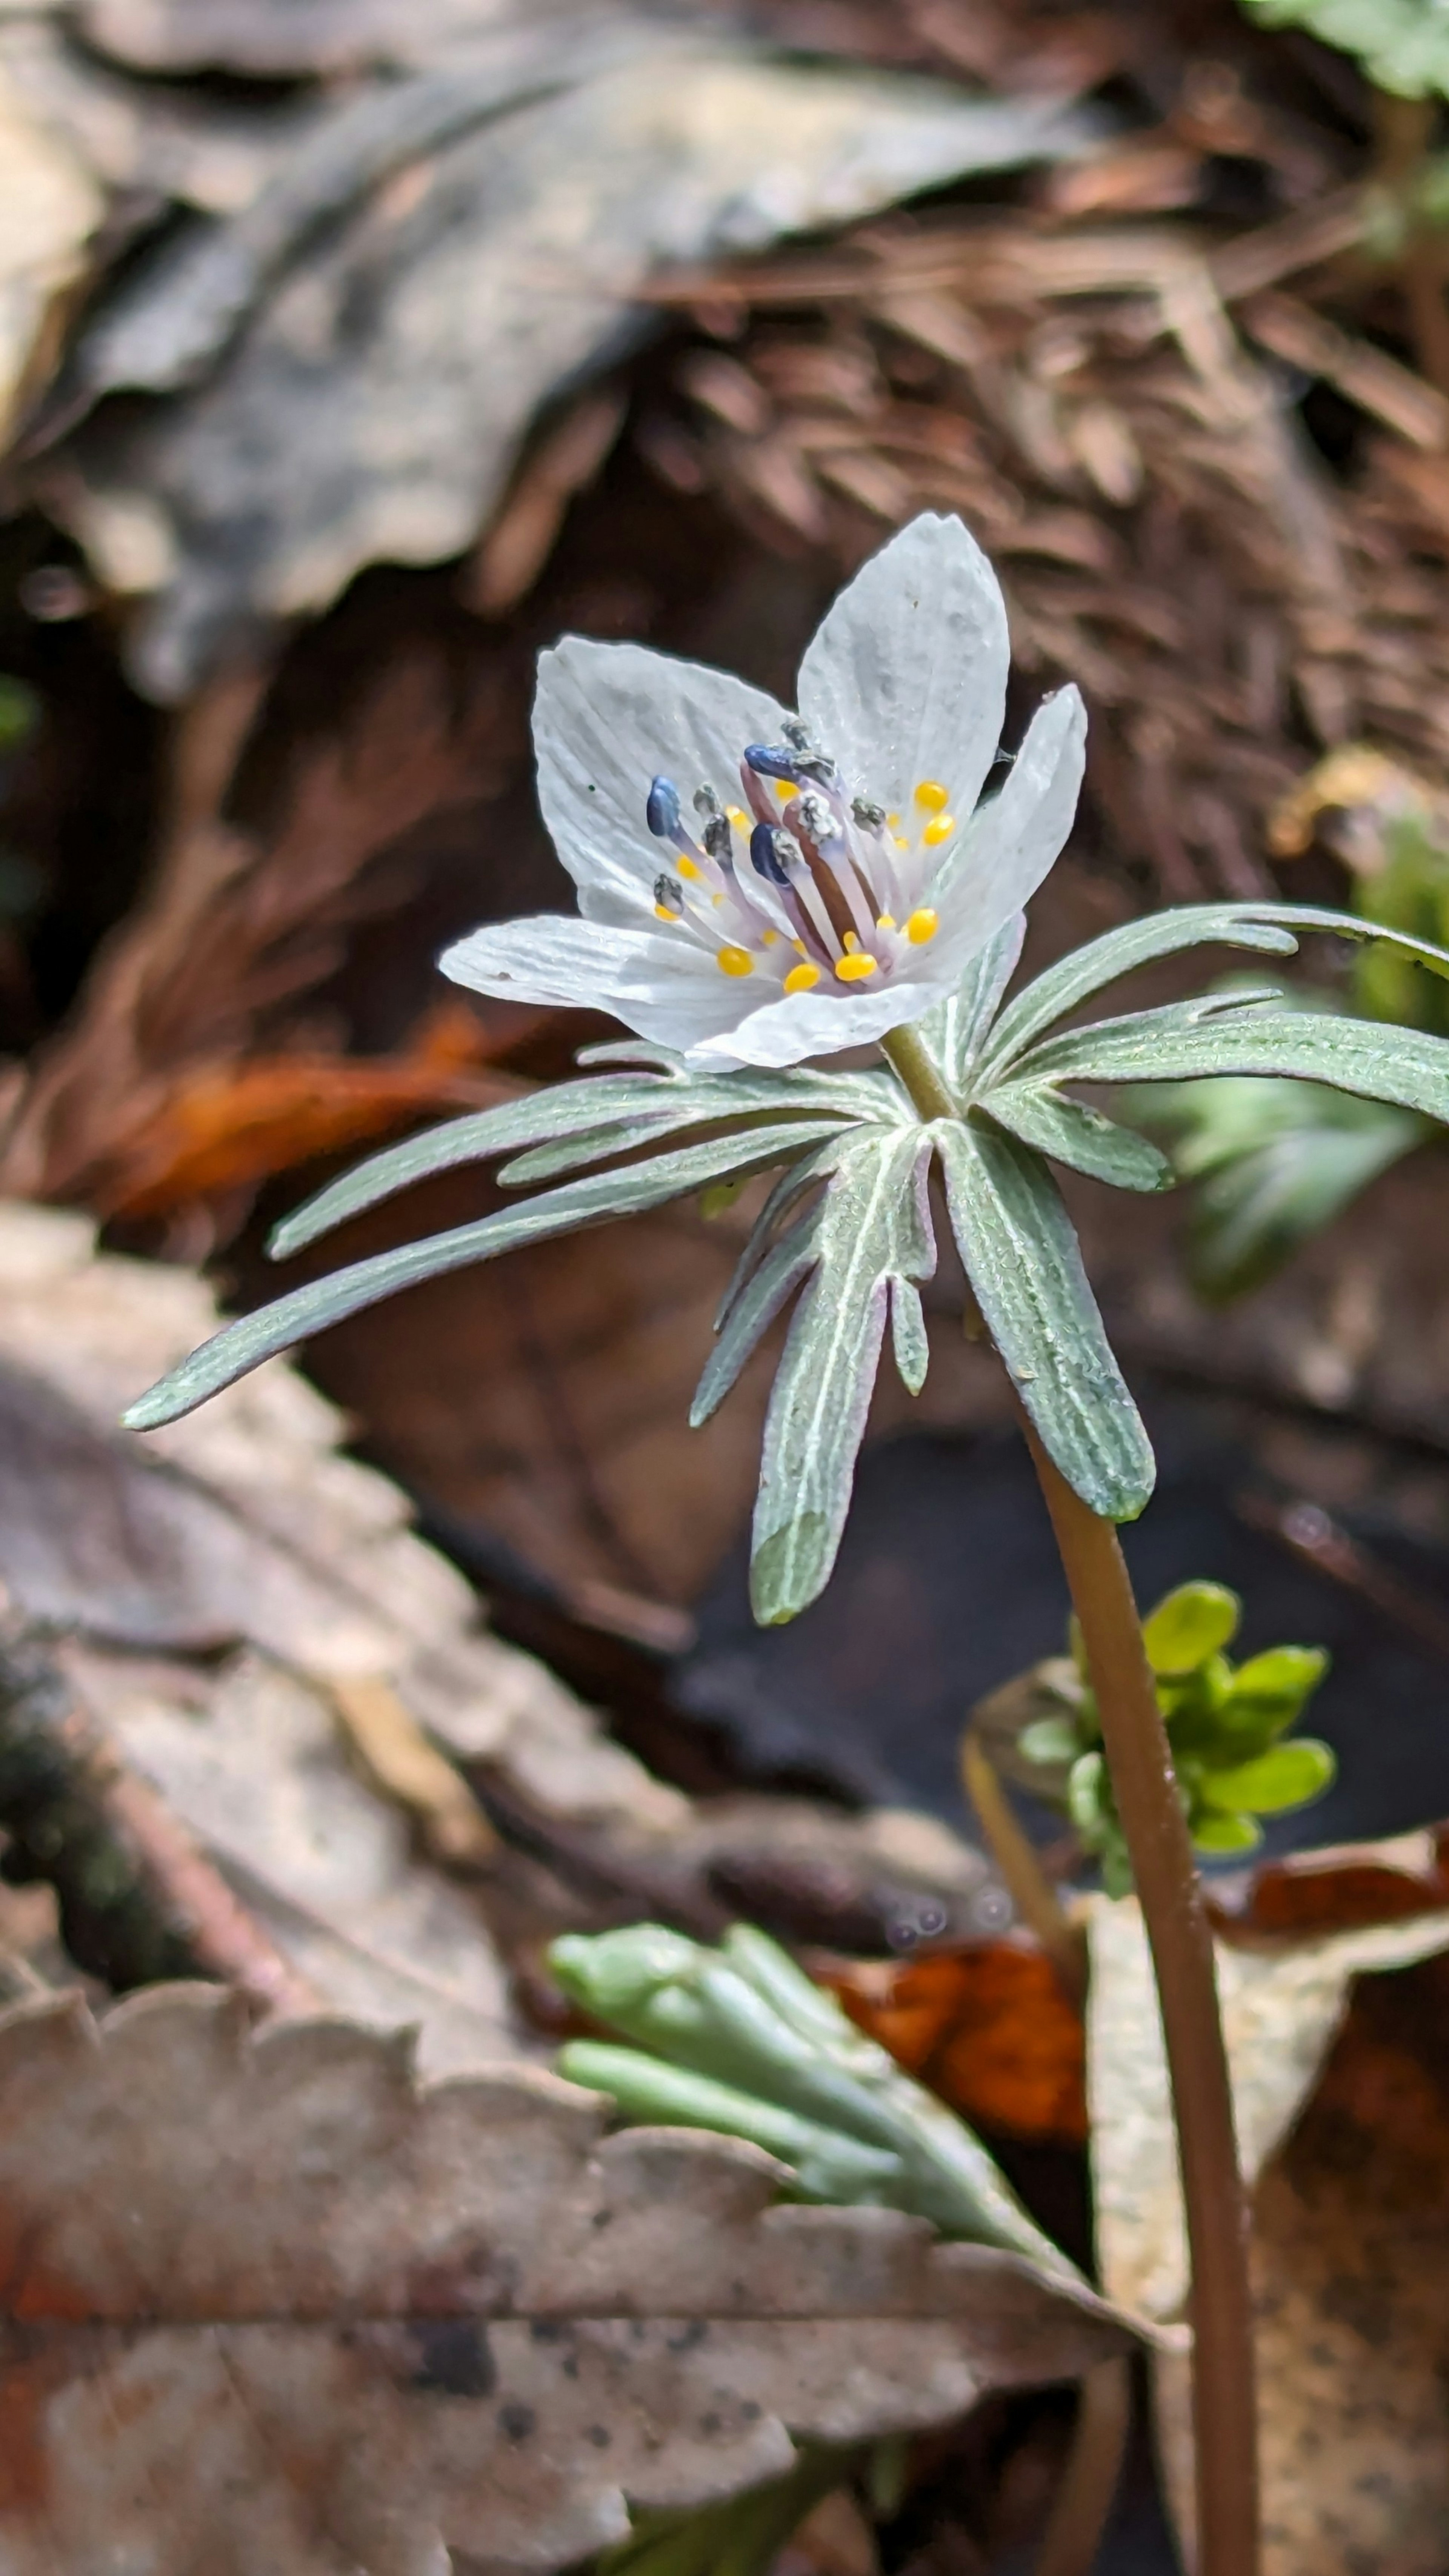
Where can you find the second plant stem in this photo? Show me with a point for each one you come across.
(1225, 2420)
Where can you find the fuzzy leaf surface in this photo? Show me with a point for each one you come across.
(643, 1101)
(1039, 1115)
(1271, 928)
(325, 1301)
(872, 1227)
(1404, 1067)
(1024, 1263)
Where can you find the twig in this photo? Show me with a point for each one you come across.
(1025, 1880)
(138, 1900)
(1089, 2484)
(400, 1761)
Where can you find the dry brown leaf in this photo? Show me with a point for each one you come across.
(218, 1590)
(987, 2027)
(269, 2306)
(1343, 2126)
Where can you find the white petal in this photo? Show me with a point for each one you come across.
(1017, 836)
(906, 679)
(802, 1025)
(658, 986)
(607, 719)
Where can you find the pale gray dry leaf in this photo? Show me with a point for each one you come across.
(278, 37)
(49, 206)
(270, 2307)
(297, 1552)
(370, 407)
(149, 139)
(254, 1766)
(1281, 2008)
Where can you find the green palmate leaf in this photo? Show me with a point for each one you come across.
(1402, 45)
(1042, 1116)
(1402, 1066)
(1025, 1267)
(1271, 928)
(955, 1032)
(746, 2037)
(1275, 1161)
(637, 1108)
(1191, 1624)
(229, 1354)
(872, 1227)
(827, 2164)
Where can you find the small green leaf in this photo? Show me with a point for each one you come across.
(1274, 1161)
(1050, 1740)
(1192, 1623)
(1084, 1139)
(872, 1226)
(721, 1196)
(1088, 1793)
(230, 1353)
(1289, 1776)
(1025, 1267)
(1271, 1690)
(1221, 1834)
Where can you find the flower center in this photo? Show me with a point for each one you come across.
(796, 882)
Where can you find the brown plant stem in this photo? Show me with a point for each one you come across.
(1225, 2420)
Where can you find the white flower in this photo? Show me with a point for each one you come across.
(756, 887)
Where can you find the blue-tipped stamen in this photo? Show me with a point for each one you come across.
(663, 812)
(770, 848)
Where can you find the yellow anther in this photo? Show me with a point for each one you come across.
(802, 979)
(735, 961)
(886, 921)
(799, 947)
(923, 925)
(940, 830)
(855, 968)
(768, 938)
(932, 795)
(852, 942)
(717, 898)
(900, 843)
(893, 822)
(688, 867)
(664, 914)
(736, 814)
(786, 790)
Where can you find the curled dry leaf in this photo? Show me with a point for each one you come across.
(1343, 2125)
(268, 2304)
